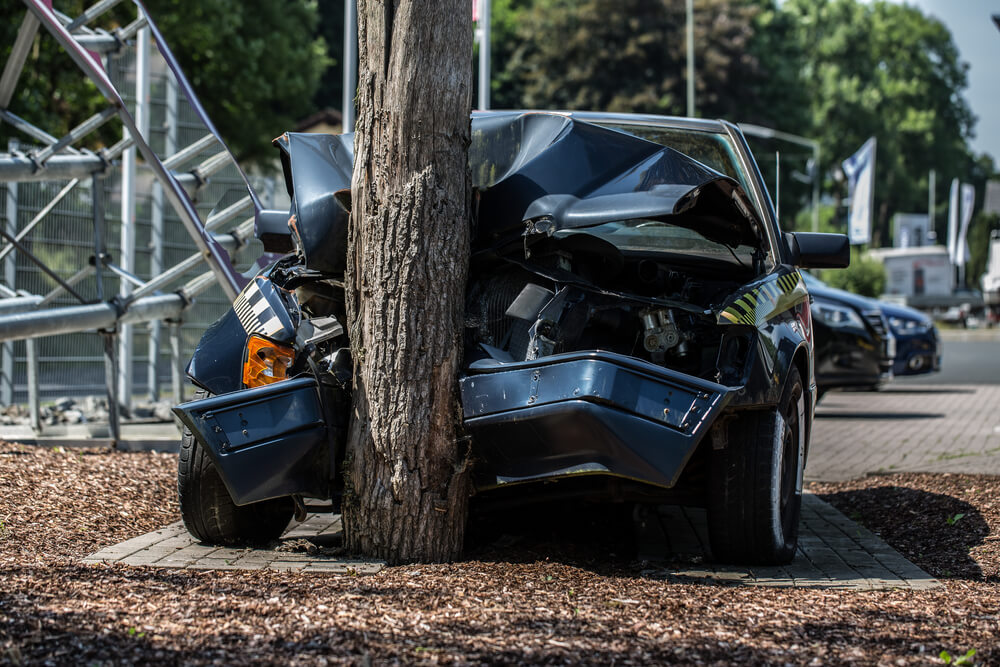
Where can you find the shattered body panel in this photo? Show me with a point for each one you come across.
(624, 301)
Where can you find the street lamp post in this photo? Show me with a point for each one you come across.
(484, 53)
(690, 58)
(350, 63)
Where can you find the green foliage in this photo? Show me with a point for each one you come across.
(886, 70)
(828, 221)
(952, 520)
(51, 92)
(966, 659)
(629, 56)
(330, 91)
(980, 228)
(865, 276)
(255, 65)
(506, 86)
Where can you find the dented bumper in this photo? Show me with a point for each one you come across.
(585, 413)
(268, 442)
(554, 417)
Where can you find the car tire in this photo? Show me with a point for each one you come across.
(756, 483)
(210, 514)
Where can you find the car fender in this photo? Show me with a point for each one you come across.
(217, 362)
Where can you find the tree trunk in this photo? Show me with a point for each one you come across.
(407, 485)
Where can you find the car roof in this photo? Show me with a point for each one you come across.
(680, 122)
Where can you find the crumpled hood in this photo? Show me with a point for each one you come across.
(560, 173)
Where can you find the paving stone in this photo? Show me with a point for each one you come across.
(834, 553)
(906, 428)
(287, 565)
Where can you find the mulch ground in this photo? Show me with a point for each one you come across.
(535, 602)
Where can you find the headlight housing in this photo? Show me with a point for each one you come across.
(904, 326)
(266, 362)
(834, 315)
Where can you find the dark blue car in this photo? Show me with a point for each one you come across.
(636, 330)
(918, 346)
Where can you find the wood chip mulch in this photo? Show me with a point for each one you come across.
(535, 605)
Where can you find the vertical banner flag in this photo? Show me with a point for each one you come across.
(860, 171)
(953, 221)
(962, 244)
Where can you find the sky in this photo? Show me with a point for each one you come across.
(978, 41)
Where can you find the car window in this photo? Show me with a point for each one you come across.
(712, 149)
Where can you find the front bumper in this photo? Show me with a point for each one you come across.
(267, 442)
(585, 413)
(918, 354)
(559, 416)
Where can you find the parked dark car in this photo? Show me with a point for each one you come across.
(854, 346)
(918, 346)
(637, 330)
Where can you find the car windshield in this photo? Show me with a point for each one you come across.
(712, 149)
(636, 237)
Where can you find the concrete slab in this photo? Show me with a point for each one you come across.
(135, 436)
(834, 552)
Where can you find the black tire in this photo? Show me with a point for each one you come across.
(210, 514)
(756, 483)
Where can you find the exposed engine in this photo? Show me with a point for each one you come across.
(518, 314)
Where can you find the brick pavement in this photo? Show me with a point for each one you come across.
(173, 547)
(915, 428)
(834, 552)
(906, 428)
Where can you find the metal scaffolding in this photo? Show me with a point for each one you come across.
(177, 180)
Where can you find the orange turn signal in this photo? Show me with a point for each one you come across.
(266, 362)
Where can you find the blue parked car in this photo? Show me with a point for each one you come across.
(918, 346)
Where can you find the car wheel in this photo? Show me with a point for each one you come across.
(210, 514)
(756, 483)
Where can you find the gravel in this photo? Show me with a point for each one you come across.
(536, 601)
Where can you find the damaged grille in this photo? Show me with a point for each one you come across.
(488, 305)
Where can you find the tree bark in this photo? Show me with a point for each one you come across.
(407, 486)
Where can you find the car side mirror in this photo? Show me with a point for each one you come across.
(271, 228)
(810, 250)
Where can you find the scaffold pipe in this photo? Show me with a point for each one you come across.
(58, 321)
(23, 169)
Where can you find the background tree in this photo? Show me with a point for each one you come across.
(629, 56)
(255, 65)
(888, 71)
(407, 484)
(330, 91)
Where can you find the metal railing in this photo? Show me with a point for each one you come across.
(104, 239)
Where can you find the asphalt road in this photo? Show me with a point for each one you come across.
(972, 358)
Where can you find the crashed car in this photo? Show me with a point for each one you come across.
(637, 331)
